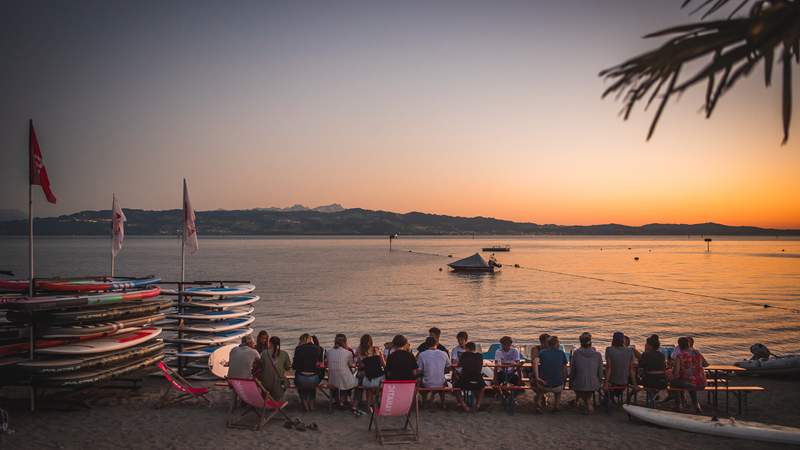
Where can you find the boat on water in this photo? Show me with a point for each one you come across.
(497, 248)
(475, 263)
(766, 363)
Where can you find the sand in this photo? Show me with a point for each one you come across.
(127, 419)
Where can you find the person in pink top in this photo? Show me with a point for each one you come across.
(689, 372)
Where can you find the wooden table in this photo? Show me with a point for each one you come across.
(715, 370)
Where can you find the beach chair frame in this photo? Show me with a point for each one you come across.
(265, 413)
(187, 391)
(409, 432)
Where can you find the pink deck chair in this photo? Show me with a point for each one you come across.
(187, 391)
(398, 399)
(254, 398)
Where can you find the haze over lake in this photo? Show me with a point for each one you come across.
(354, 285)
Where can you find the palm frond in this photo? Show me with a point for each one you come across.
(733, 47)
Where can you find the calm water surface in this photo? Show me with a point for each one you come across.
(354, 285)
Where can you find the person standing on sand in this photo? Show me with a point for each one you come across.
(552, 373)
(586, 372)
(401, 364)
(243, 359)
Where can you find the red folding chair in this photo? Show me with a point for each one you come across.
(187, 391)
(254, 399)
(398, 399)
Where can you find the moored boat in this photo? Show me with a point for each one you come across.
(497, 248)
(475, 263)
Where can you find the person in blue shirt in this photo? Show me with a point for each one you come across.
(550, 372)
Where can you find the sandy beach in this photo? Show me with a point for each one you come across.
(127, 419)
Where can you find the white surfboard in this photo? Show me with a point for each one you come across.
(218, 361)
(205, 326)
(119, 341)
(210, 339)
(223, 303)
(198, 314)
(727, 427)
(226, 291)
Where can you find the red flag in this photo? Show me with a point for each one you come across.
(38, 174)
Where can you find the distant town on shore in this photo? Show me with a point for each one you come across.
(336, 220)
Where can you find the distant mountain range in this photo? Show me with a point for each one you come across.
(336, 220)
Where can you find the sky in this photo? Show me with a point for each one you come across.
(467, 108)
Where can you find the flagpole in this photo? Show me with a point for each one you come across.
(113, 252)
(30, 214)
(183, 235)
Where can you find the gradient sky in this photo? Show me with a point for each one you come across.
(464, 108)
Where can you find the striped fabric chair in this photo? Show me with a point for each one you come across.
(253, 398)
(398, 399)
(187, 391)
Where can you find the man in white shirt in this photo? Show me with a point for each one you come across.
(433, 363)
(509, 358)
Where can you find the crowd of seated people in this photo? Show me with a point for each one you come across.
(353, 375)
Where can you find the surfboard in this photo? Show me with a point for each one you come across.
(200, 353)
(78, 330)
(217, 338)
(224, 303)
(14, 348)
(727, 427)
(205, 326)
(196, 314)
(67, 301)
(95, 284)
(60, 364)
(82, 378)
(226, 291)
(118, 341)
(107, 313)
(218, 361)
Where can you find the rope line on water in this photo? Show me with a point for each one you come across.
(626, 283)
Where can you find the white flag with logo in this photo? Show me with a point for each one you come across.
(189, 226)
(117, 227)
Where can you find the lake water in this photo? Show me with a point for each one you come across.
(355, 285)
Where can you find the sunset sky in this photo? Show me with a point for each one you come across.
(462, 108)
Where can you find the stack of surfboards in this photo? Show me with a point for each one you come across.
(85, 331)
(210, 318)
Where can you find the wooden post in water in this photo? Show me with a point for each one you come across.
(708, 244)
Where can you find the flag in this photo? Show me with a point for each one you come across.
(189, 226)
(38, 174)
(117, 227)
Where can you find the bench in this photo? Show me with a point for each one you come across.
(740, 392)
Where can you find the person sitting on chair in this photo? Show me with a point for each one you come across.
(433, 363)
(401, 364)
(471, 378)
(586, 372)
(274, 364)
(508, 360)
(243, 359)
(550, 373)
(619, 367)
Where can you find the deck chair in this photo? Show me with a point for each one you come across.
(187, 391)
(254, 398)
(489, 354)
(398, 399)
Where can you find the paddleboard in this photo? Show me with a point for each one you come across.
(218, 361)
(213, 315)
(224, 303)
(727, 427)
(82, 378)
(78, 330)
(205, 326)
(226, 291)
(79, 284)
(60, 364)
(67, 301)
(105, 344)
(24, 346)
(218, 338)
(107, 313)
(200, 353)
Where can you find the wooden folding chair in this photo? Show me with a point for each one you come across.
(254, 398)
(398, 399)
(187, 391)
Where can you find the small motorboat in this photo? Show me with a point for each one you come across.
(497, 248)
(475, 263)
(766, 363)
